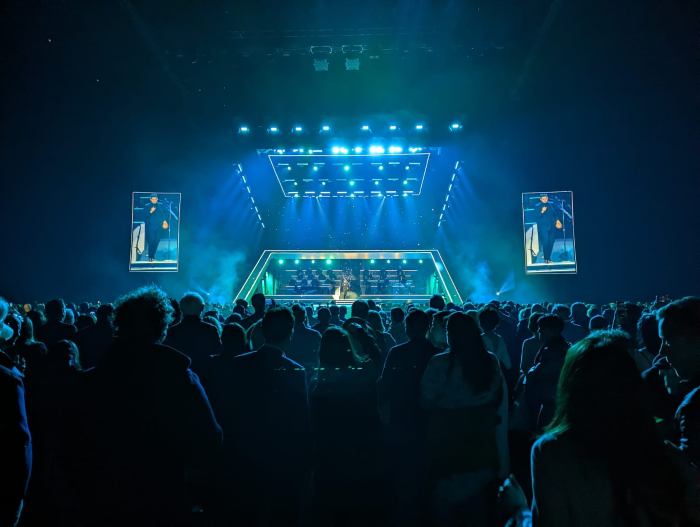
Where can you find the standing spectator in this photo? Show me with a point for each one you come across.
(597, 323)
(438, 330)
(495, 343)
(437, 302)
(142, 426)
(55, 329)
(543, 377)
(94, 340)
(258, 302)
(463, 390)
(234, 341)
(32, 354)
(572, 332)
(335, 315)
(532, 345)
(15, 440)
(192, 336)
(601, 461)
(324, 320)
(270, 439)
(384, 340)
(398, 328)
(648, 337)
(305, 342)
(311, 320)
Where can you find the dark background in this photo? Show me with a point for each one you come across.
(100, 99)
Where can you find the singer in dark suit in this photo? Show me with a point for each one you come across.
(547, 225)
(155, 224)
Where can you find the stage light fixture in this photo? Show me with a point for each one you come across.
(405, 182)
(321, 65)
(273, 129)
(344, 150)
(371, 261)
(352, 64)
(372, 149)
(420, 261)
(404, 261)
(376, 182)
(358, 149)
(297, 128)
(335, 150)
(388, 261)
(347, 167)
(296, 261)
(352, 195)
(455, 127)
(392, 127)
(381, 167)
(365, 127)
(380, 149)
(243, 129)
(352, 182)
(295, 183)
(281, 262)
(315, 168)
(328, 261)
(289, 168)
(407, 167)
(325, 128)
(419, 127)
(323, 183)
(313, 261)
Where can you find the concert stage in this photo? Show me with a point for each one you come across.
(344, 276)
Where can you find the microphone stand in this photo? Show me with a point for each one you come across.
(565, 256)
(170, 218)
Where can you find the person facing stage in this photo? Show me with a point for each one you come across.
(547, 225)
(155, 226)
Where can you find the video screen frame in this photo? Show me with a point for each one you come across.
(557, 221)
(167, 208)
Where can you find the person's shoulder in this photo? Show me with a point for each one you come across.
(692, 400)
(290, 364)
(172, 358)
(441, 357)
(551, 444)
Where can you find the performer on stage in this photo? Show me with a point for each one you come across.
(155, 224)
(547, 225)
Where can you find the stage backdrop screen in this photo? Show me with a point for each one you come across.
(548, 224)
(155, 231)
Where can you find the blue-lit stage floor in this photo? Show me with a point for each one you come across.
(344, 276)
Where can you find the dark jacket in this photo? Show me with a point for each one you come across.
(55, 330)
(141, 422)
(15, 442)
(93, 341)
(542, 381)
(400, 384)
(304, 346)
(195, 338)
(250, 320)
(33, 354)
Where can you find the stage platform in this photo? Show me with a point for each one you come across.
(317, 276)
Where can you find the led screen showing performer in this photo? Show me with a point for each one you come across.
(548, 223)
(155, 231)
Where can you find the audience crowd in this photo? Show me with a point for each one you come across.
(157, 411)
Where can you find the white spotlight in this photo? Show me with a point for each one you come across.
(335, 150)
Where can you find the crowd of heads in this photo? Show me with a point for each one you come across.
(596, 375)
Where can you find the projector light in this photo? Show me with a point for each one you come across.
(343, 150)
(365, 127)
(273, 129)
(419, 127)
(335, 150)
(243, 129)
(325, 128)
(358, 149)
(392, 127)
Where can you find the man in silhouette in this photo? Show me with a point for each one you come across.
(305, 343)
(546, 220)
(258, 302)
(140, 427)
(156, 224)
(192, 336)
(55, 329)
(269, 451)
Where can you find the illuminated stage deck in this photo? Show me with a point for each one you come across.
(343, 276)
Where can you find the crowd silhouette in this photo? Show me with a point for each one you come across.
(157, 411)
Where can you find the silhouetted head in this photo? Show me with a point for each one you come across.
(299, 314)
(360, 309)
(597, 323)
(105, 313)
(192, 304)
(143, 315)
(437, 302)
(55, 309)
(648, 333)
(374, 320)
(278, 326)
(336, 350)
(258, 302)
(488, 318)
(397, 315)
(324, 315)
(679, 329)
(550, 327)
(233, 340)
(417, 324)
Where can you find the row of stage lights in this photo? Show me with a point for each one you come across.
(447, 197)
(330, 260)
(341, 150)
(244, 129)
